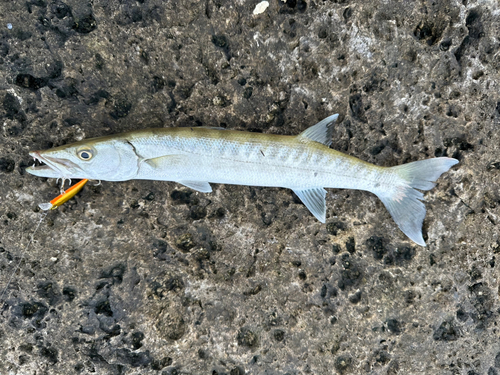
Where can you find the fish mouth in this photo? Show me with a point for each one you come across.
(51, 167)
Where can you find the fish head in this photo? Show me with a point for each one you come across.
(105, 158)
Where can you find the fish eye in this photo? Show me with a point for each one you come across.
(85, 154)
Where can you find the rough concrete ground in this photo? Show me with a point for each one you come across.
(147, 277)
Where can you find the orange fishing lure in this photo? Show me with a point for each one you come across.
(64, 197)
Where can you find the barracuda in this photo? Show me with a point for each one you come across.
(194, 157)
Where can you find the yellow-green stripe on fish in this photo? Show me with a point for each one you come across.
(196, 156)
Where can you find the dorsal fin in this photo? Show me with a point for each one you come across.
(321, 132)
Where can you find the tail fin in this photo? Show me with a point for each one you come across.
(404, 202)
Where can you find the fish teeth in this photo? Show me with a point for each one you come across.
(35, 159)
(37, 162)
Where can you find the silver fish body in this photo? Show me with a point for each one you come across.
(198, 156)
(231, 157)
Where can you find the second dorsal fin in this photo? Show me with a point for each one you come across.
(321, 132)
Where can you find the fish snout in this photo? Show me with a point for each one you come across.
(50, 166)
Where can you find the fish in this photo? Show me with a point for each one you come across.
(198, 156)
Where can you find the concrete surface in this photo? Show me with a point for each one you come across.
(147, 277)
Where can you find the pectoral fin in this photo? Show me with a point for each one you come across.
(201, 186)
(165, 161)
(314, 199)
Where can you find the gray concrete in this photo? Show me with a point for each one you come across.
(147, 277)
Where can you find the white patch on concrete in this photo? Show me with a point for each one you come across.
(360, 44)
(23, 197)
(13, 92)
(302, 91)
(261, 7)
(258, 39)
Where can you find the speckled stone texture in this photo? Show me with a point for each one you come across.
(147, 277)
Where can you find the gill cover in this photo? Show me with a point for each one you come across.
(114, 160)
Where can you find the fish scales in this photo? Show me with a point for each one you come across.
(226, 157)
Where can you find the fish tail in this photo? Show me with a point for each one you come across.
(404, 202)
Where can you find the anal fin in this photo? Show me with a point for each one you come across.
(314, 200)
(201, 186)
